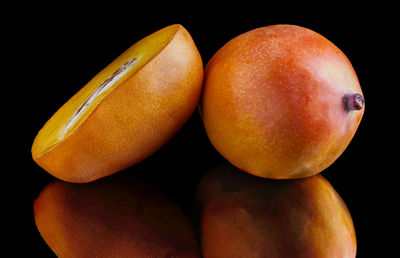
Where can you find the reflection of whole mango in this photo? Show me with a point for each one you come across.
(246, 216)
(281, 102)
(114, 217)
(126, 112)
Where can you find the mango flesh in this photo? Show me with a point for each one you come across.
(273, 102)
(246, 216)
(118, 216)
(126, 112)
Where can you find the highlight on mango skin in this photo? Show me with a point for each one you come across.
(126, 112)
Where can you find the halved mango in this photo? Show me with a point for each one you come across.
(126, 112)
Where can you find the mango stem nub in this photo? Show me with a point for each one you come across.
(353, 101)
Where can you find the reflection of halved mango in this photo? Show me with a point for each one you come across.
(117, 216)
(126, 112)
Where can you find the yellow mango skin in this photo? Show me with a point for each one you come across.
(117, 216)
(246, 216)
(135, 119)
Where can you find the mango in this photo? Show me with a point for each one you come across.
(281, 102)
(126, 112)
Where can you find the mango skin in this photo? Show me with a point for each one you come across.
(246, 216)
(118, 216)
(273, 104)
(135, 119)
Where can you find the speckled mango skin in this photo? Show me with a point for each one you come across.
(135, 119)
(117, 216)
(246, 216)
(273, 104)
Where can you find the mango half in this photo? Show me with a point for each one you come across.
(126, 112)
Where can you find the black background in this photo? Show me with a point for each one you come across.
(57, 49)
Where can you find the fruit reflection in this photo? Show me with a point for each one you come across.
(246, 216)
(118, 216)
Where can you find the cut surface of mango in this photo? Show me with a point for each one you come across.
(74, 112)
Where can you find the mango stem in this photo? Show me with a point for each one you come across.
(353, 102)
